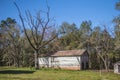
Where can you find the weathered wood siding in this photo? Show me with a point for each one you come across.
(117, 68)
(61, 62)
(44, 61)
(85, 61)
(68, 62)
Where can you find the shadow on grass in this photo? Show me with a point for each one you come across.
(16, 72)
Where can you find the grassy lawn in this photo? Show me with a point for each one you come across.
(7, 73)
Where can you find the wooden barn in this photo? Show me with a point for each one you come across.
(68, 59)
(117, 67)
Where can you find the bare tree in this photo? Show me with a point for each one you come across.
(41, 30)
(103, 44)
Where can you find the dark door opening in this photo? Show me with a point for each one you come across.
(118, 68)
(82, 65)
(87, 65)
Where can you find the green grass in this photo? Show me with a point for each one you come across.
(8, 73)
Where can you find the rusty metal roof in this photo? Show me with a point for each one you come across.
(69, 52)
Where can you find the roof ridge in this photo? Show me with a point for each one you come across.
(69, 52)
(73, 50)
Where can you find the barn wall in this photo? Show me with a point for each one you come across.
(67, 62)
(72, 63)
(85, 61)
(44, 61)
(117, 68)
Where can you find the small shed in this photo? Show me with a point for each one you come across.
(67, 59)
(117, 67)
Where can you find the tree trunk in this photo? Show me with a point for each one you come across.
(106, 66)
(104, 61)
(36, 60)
(18, 63)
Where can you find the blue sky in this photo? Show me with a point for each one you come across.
(100, 12)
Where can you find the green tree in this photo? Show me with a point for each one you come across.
(68, 38)
(12, 41)
(116, 21)
(84, 34)
(117, 6)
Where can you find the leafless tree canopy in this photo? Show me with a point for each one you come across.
(41, 30)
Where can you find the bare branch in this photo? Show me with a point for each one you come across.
(24, 26)
(47, 42)
(31, 24)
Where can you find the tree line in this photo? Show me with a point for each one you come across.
(21, 45)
